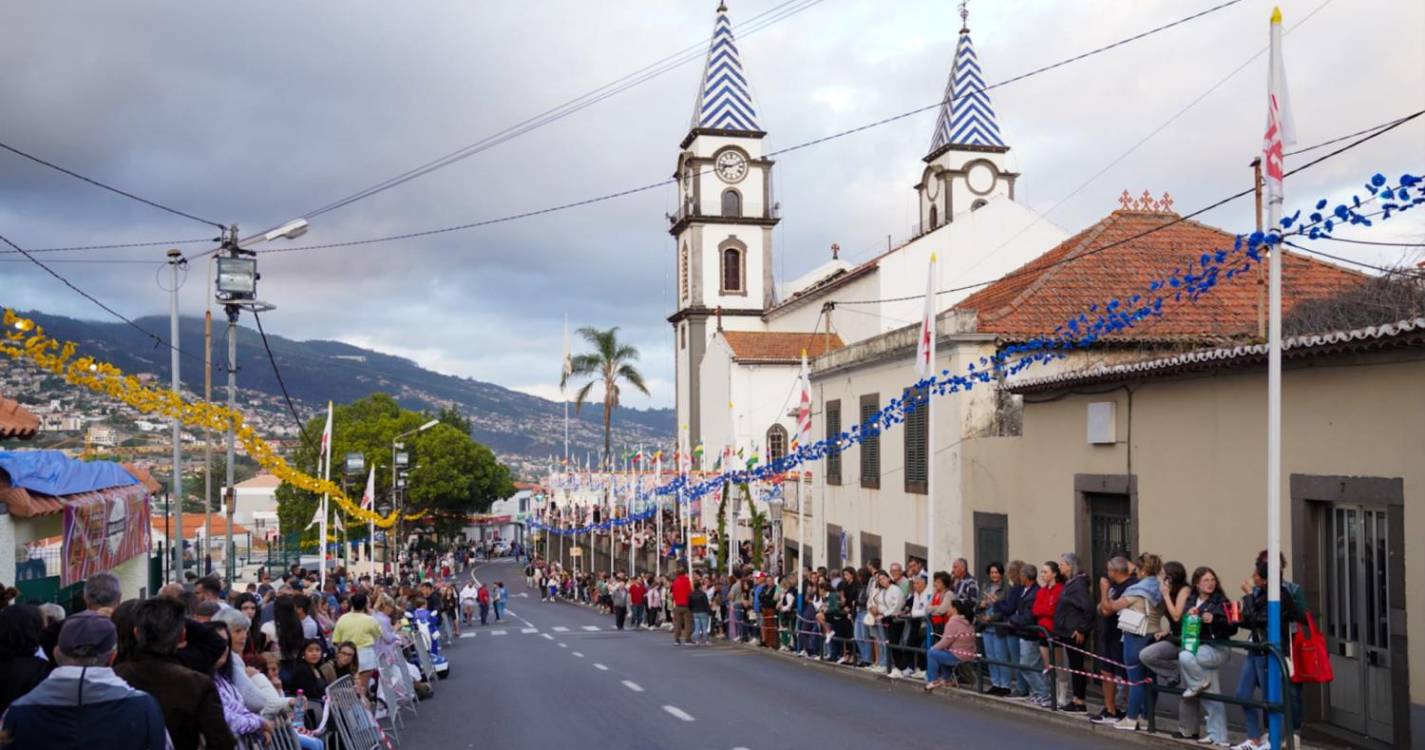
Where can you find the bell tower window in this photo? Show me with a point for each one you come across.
(683, 273)
(733, 272)
(731, 203)
(934, 218)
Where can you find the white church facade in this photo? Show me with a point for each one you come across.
(739, 334)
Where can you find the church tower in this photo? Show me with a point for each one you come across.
(966, 166)
(722, 230)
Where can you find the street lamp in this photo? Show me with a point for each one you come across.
(399, 461)
(237, 290)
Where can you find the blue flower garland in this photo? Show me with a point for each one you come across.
(1201, 276)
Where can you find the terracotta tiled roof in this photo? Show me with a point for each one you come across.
(1039, 296)
(16, 421)
(261, 481)
(759, 346)
(193, 524)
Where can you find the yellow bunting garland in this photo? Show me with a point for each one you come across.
(24, 339)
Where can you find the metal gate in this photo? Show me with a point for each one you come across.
(1110, 528)
(1357, 620)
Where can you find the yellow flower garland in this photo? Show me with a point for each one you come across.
(25, 340)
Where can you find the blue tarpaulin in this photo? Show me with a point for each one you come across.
(53, 473)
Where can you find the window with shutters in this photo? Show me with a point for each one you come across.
(870, 443)
(776, 443)
(917, 430)
(731, 203)
(833, 429)
(683, 274)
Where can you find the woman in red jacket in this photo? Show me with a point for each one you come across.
(1046, 601)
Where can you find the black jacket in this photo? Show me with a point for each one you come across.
(1076, 612)
(1220, 629)
(1023, 616)
(20, 675)
(1254, 615)
(190, 703)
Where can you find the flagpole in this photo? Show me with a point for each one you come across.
(1277, 123)
(930, 436)
(658, 543)
(322, 530)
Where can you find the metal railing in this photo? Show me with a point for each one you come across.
(1283, 706)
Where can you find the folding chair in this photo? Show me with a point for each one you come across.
(355, 727)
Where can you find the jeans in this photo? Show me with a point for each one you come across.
(1200, 673)
(1133, 646)
(637, 616)
(863, 638)
(734, 625)
(997, 649)
(1033, 667)
(499, 610)
(484, 612)
(701, 622)
(1017, 682)
(1254, 676)
(878, 632)
(939, 660)
(620, 613)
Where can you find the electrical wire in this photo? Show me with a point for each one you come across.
(302, 428)
(1375, 243)
(116, 246)
(787, 150)
(158, 340)
(1383, 269)
(110, 188)
(653, 70)
(1176, 220)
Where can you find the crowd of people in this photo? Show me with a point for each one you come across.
(1037, 633)
(211, 665)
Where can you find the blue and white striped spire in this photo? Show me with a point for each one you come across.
(966, 116)
(724, 98)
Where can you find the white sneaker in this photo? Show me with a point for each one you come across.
(1128, 724)
(1251, 744)
(895, 673)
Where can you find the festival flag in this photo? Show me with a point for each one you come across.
(698, 456)
(753, 459)
(1281, 130)
(925, 346)
(338, 523)
(326, 449)
(368, 497)
(316, 517)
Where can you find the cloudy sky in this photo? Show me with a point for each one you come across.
(255, 113)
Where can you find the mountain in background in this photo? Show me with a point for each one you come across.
(511, 423)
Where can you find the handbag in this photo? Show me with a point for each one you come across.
(1133, 622)
(1310, 658)
(869, 620)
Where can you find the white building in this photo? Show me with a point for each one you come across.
(256, 498)
(738, 334)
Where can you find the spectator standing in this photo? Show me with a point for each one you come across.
(682, 617)
(1110, 639)
(1254, 672)
(1027, 631)
(1145, 598)
(362, 631)
(618, 601)
(1046, 601)
(102, 594)
(192, 710)
(20, 669)
(1074, 623)
(913, 635)
(82, 704)
(502, 599)
(699, 607)
(887, 604)
(963, 583)
(987, 617)
(637, 594)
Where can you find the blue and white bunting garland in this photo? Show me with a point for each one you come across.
(1114, 316)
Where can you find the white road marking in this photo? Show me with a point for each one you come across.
(678, 712)
(601, 667)
(497, 632)
(546, 636)
(467, 635)
(560, 629)
(564, 645)
(576, 653)
(527, 631)
(523, 595)
(635, 687)
(591, 627)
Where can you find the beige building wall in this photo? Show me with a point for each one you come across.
(1196, 446)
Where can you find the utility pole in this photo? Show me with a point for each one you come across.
(208, 443)
(175, 259)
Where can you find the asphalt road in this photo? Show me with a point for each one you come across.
(558, 675)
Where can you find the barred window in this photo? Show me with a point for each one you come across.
(776, 443)
(870, 443)
(732, 271)
(833, 430)
(917, 430)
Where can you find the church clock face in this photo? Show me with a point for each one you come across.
(731, 166)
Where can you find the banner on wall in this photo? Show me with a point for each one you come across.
(103, 529)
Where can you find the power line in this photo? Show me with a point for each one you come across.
(1340, 138)
(280, 383)
(1375, 243)
(1383, 269)
(110, 188)
(653, 70)
(114, 246)
(158, 340)
(789, 149)
(1177, 220)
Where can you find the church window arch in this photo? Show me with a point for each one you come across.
(731, 203)
(776, 443)
(734, 268)
(934, 218)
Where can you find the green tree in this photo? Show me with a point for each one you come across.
(722, 540)
(609, 363)
(451, 415)
(452, 475)
(759, 524)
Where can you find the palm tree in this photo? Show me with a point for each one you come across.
(609, 363)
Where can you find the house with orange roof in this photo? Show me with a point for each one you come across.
(876, 503)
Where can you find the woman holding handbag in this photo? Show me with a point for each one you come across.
(1140, 613)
